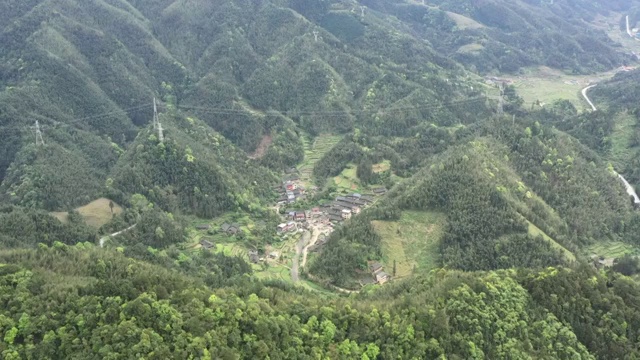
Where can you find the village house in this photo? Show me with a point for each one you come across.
(230, 229)
(346, 214)
(203, 227)
(375, 267)
(291, 226)
(253, 256)
(206, 244)
(600, 262)
(380, 191)
(356, 210)
(289, 186)
(286, 227)
(300, 216)
(315, 211)
(234, 229)
(382, 277)
(273, 255)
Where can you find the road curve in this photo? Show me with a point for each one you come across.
(584, 94)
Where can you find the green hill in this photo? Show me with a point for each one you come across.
(491, 212)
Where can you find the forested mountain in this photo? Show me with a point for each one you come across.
(69, 302)
(506, 36)
(248, 91)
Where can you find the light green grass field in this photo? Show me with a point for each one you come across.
(411, 241)
(463, 22)
(548, 91)
(95, 213)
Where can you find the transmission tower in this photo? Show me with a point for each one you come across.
(39, 139)
(315, 34)
(362, 8)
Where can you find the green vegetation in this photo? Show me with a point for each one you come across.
(96, 213)
(486, 221)
(612, 249)
(535, 232)
(411, 242)
(315, 150)
(147, 311)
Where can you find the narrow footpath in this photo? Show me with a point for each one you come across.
(104, 238)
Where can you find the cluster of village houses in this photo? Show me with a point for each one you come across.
(324, 217)
(343, 208)
(291, 190)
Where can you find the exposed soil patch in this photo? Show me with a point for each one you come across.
(262, 148)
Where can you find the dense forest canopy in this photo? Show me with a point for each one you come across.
(149, 149)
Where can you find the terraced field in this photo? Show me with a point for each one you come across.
(612, 249)
(314, 150)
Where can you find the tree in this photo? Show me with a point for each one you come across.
(365, 170)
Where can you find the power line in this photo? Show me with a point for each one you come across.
(98, 116)
(228, 111)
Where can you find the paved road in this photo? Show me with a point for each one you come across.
(295, 273)
(584, 94)
(630, 190)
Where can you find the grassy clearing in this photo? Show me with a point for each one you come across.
(550, 90)
(348, 181)
(535, 232)
(621, 150)
(548, 85)
(612, 249)
(463, 22)
(470, 48)
(95, 213)
(275, 273)
(411, 241)
(382, 167)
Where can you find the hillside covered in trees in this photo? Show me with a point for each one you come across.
(400, 98)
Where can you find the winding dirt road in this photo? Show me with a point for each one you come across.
(104, 238)
(584, 94)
